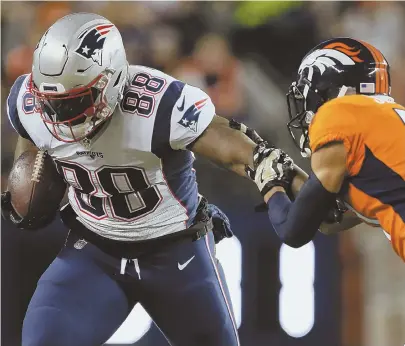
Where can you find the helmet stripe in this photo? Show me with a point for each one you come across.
(377, 74)
(381, 72)
(101, 27)
(344, 48)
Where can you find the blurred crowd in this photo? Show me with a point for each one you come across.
(176, 37)
(203, 43)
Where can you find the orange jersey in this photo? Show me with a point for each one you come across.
(373, 132)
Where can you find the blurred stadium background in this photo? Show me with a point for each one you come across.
(338, 290)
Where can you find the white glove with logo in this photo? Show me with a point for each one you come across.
(272, 167)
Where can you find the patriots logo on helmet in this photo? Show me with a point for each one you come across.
(190, 118)
(92, 43)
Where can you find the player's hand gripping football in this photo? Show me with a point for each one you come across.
(8, 213)
(272, 167)
(5, 204)
(29, 223)
(7, 210)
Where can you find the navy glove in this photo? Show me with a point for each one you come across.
(335, 215)
(220, 222)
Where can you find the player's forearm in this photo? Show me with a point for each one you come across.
(349, 219)
(238, 169)
(299, 180)
(226, 146)
(296, 223)
(22, 146)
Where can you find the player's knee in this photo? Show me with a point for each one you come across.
(49, 326)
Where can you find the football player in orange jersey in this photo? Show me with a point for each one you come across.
(343, 118)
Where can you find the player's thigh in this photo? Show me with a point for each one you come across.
(75, 303)
(190, 303)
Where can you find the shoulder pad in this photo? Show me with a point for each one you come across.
(12, 110)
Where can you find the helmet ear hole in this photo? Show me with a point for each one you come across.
(314, 100)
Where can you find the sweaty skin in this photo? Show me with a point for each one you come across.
(226, 146)
(22, 146)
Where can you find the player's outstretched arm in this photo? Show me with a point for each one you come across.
(348, 220)
(297, 222)
(294, 222)
(226, 146)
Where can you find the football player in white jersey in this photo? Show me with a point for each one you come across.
(122, 137)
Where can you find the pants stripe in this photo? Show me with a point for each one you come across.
(222, 289)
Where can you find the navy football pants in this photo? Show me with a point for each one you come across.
(83, 297)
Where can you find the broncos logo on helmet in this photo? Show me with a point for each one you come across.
(92, 43)
(324, 58)
(330, 70)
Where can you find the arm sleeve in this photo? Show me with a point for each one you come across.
(337, 122)
(296, 223)
(191, 115)
(12, 110)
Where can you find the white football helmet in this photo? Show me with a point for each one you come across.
(78, 75)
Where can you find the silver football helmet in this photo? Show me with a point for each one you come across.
(78, 75)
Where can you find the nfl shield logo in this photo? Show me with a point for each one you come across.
(80, 244)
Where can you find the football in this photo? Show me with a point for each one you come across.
(36, 188)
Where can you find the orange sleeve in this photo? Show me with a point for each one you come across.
(335, 121)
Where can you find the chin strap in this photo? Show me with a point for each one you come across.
(342, 91)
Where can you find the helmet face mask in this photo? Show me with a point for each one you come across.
(73, 115)
(332, 69)
(78, 75)
(301, 110)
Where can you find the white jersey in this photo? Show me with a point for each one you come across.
(134, 180)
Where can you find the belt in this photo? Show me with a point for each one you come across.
(120, 249)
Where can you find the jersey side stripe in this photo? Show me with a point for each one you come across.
(387, 186)
(181, 180)
(161, 129)
(176, 164)
(12, 111)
